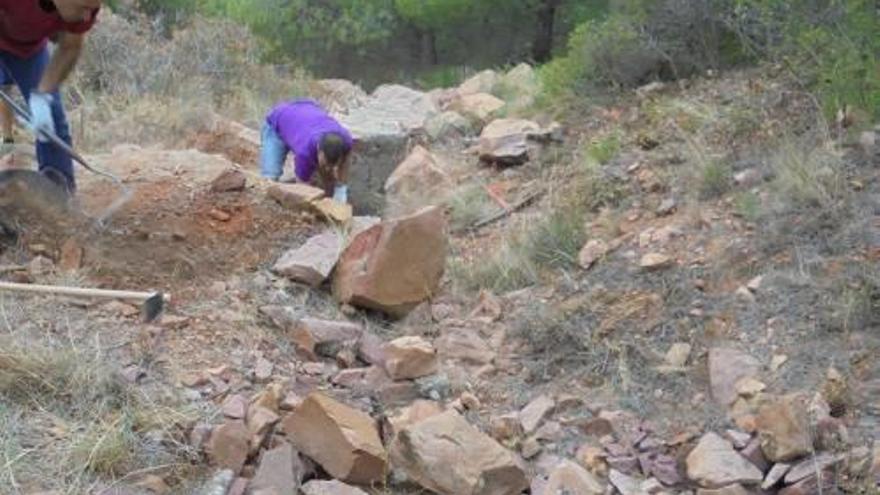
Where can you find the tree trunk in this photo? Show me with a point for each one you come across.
(542, 46)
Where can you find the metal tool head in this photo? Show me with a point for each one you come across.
(152, 307)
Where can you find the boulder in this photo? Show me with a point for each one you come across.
(416, 181)
(311, 263)
(394, 266)
(238, 143)
(784, 428)
(506, 141)
(714, 463)
(408, 358)
(344, 441)
(382, 127)
(447, 455)
(727, 367)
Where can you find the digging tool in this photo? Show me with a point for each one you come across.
(152, 303)
(23, 117)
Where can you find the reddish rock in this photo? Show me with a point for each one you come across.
(714, 463)
(447, 455)
(394, 266)
(409, 358)
(568, 477)
(235, 407)
(280, 471)
(344, 441)
(783, 428)
(726, 368)
(312, 262)
(418, 176)
(310, 335)
(228, 446)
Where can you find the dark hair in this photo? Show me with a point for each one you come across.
(334, 147)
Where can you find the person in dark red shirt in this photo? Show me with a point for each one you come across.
(25, 29)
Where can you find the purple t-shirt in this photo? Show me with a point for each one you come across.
(300, 124)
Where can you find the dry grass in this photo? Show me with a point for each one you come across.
(70, 421)
(137, 86)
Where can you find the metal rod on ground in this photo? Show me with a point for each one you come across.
(152, 302)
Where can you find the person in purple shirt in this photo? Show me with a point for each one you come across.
(321, 146)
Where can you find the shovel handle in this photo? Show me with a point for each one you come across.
(81, 291)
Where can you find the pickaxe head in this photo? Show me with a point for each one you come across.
(152, 307)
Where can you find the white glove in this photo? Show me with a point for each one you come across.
(41, 114)
(340, 194)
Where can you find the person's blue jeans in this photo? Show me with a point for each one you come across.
(273, 153)
(26, 73)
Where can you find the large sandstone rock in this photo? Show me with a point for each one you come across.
(382, 127)
(394, 266)
(784, 428)
(410, 357)
(417, 181)
(344, 441)
(714, 463)
(312, 262)
(506, 141)
(447, 455)
(727, 367)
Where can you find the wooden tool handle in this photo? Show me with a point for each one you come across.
(81, 291)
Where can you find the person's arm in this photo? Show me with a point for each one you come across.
(340, 176)
(63, 61)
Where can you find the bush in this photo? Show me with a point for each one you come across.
(832, 47)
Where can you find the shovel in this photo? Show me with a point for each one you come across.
(152, 303)
(24, 119)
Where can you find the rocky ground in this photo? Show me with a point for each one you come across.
(676, 292)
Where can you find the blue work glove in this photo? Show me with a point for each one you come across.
(41, 114)
(340, 194)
